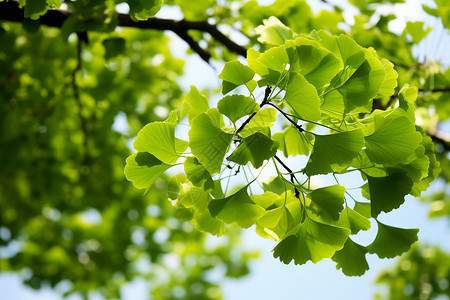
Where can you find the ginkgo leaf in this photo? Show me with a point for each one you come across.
(353, 220)
(345, 48)
(194, 103)
(275, 223)
(351, 259)
(208, 142)
(363, 208)
(308, 58)
(234, 74)
(406, 100)
(394, 139)
(197, 199)
(399, 240)
(389, 84)
(274, 32)
(302, 99)
(261, 121)
(330, 200)
(255, 148)
(415, 29)
(197, 174)
(269, 65)
(237, 208)
(292, 142)
(386, 199)
(236, 106)
(333, 151)
(158, 138)
(314, 241)
(363, 84)
(142, 10)
(143, 169)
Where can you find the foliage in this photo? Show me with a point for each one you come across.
(327, 81)
(63, 161)
(68, 213)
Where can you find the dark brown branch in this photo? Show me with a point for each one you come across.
(10, 11)
(293, 178)
(264, 102)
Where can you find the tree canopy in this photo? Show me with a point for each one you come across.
(84, 82)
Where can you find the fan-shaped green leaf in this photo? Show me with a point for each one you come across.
(389, 84)
(197, 199)
(394, 139)
(208, 142)
(388, 193)
(345, 48)
(351, 259)
(302, 99)
(238, 208)
(415, 29)
(276, 223)
(234, 74)
(262, 121)
(141, 10)
(363, 208)
(197, 174)
(330, 200)
(398, 239)
(333, 151)
(143, 169)
(352, 220)
(158, 138)
(269, 65)
(273, 32)
(236, 106)
(194, 103)
(314, 241)
(255, 148)
(314, 62)
(292, 142)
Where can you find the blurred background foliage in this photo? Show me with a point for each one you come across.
(72, 99)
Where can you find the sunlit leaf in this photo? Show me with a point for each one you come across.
(314, 62)
(236, 106)
(143, 169)
(351, 259)
(394, 139)
(194, 103)
(158, 138)
(398, 239)
(197, 174)
(292, 142)
(388, 193)
(333, 151)
(330, 200)
(234, 74)
(353, 220)
(237, 208)
(255, 148)
(141, 10)
(314, 241)
(415, 29)
(302, 99)
(262, 121)
(208, 142)
(273, 32)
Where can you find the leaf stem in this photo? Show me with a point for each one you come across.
(299, 127)
(264, 102)
(291, 174)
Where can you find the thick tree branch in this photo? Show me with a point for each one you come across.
(10, 11)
